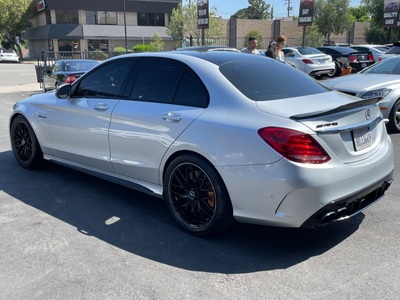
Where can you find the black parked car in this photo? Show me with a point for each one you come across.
(357, 60)
(66, 71)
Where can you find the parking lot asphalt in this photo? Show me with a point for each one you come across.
(67, 235)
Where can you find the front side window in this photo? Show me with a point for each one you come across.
(108, 81)
(157, 80)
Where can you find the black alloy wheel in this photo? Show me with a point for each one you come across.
(196, 196)
(24, 144)
(394, 118)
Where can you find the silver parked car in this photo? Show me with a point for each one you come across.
(310, 60)
(382, 81)
(222, 136)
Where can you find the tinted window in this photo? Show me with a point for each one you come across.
(191, 91)
(393, 50)
(309, 50)
(157, 80)
(389, 66)
(106, 81)
(267, 79)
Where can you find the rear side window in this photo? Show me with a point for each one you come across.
(168, 81)
(191, 91)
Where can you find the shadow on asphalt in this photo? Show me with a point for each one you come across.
(141, 224)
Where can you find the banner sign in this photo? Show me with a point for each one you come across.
(202, 14)
(390, 13)
(306, 12)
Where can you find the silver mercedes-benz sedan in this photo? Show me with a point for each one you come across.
(222, 136)
(381, 80)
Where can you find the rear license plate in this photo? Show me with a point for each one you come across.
(362, 138)
(363, 65)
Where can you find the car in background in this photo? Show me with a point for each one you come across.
(66, 71)
(392, 51)
(377, 50)
(8, 55)
(222, 136)
(310, 60)
(382, 81)
(346, 56)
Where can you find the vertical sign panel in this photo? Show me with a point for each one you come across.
(202, 14)
(390, 13)
(306, 12)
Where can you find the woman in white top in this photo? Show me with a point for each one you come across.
(280, 43)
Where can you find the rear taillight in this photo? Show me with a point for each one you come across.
(370, 57)
(307, 61)
(352, 58)
(294, 145)
(70, 79)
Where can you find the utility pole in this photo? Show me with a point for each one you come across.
(289, 8)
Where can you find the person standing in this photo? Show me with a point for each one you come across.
(252, 46)
(271, 51)
(280, 43)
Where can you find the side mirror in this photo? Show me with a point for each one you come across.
(64, 91)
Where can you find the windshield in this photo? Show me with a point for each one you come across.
(309, 50)
(393, 50)
(266, 79)
(388, 66)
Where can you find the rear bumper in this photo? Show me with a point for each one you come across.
(350, 206)
(322, 72)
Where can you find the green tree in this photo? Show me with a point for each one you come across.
(14, 19)
(257, 9)
(360, 13)
(332, 16)
(313, 36)
(157, 44)
(183, 24)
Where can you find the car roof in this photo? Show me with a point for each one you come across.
(77, 60)
(207, 48)
(215, 57)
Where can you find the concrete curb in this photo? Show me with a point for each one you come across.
(34, 87)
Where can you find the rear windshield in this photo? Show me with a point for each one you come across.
(393, 50)
(309, 50)
(266, 79)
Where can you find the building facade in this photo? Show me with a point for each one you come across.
(93, 25)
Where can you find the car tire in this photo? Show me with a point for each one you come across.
(196, 196)
(24, 144)
(394, 118)
(338, 69)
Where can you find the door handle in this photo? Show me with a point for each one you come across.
(101, 107)
(171, 117)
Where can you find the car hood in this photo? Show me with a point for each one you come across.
(311, 105)
(359, 82)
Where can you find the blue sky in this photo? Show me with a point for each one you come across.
(226, 8)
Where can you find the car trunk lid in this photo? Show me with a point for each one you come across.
(349, 127)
